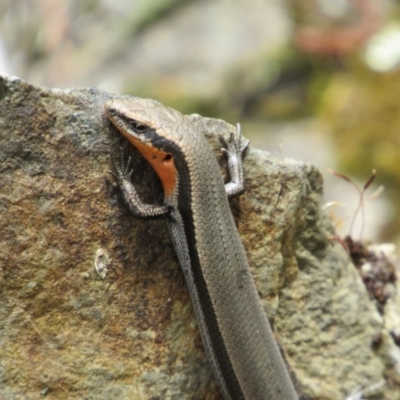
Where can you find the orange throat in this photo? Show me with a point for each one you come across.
(162, 162)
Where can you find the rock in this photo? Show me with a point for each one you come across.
(92, 301)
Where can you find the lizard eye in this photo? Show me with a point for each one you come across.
(138, 127)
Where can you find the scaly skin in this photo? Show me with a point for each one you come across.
(235, 331)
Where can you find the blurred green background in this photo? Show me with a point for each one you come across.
(314, 80)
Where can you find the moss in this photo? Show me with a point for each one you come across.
(363, 109)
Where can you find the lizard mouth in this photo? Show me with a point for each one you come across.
(129, 127)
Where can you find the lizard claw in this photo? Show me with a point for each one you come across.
(127, 171)
(234, 144)
(122, 169)
(243, 144)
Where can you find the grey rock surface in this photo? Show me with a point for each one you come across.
(92, 301)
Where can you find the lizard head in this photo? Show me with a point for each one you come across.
(153, 129)
(144, 120)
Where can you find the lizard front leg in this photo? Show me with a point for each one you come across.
(131, 197)
(234, 149)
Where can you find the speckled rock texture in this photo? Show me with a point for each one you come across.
(93, 304)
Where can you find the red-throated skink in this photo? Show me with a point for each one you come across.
(234, 328)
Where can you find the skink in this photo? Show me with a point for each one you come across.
(235, 331)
